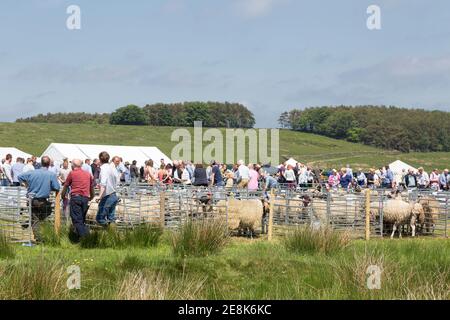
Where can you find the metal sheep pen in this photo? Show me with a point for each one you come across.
(172, 206)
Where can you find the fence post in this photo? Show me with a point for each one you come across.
(446, 217)
(162, 211)
(58, 212)
(368, 214)
(270, 231)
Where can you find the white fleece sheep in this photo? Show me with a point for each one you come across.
(397, 212)
(243, 215)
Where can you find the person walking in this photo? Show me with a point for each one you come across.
(107, 199)
(81, 185)
(40, 183)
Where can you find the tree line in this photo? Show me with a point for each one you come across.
(385, 127)
(212, 114)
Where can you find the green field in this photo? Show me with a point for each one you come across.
(244, 269)
(313, 149)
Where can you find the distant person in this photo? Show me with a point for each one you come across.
(16, 170)
(253, 183)
(53, 168)
(40, 183)
(444, 180)
(81, 186)
(36, 164)
(28, 166)
(423, 179)
(64, 171)
(244, 175)
(134, 172)
(108, 187)
(361, 178)
(87, 166)
(200, 176)
(387, 178)
(346, 179)
(434, 180)
(411, 180)
(270, 182)
(216, 175)
(7, 179)
(96, 171)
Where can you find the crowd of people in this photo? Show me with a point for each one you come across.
(77, 180)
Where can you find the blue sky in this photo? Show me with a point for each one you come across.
(271, 55)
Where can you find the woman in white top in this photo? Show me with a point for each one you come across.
(289, 175)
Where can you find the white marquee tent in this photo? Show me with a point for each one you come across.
(397, 168)
(291, 162)
(14, 152)
(60, 151)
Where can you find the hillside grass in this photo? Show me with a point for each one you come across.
(244, 269)
(313, 149)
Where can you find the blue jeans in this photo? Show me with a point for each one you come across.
(107, 209)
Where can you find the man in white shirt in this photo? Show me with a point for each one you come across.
(423, 179)
(8, 179)
(108, 187)
(244, 174)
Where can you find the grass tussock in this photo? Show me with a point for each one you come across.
(143, 236)
(309, 240)
(37, 279)
(139, 285)
(200, 238)
(6, 249)
(51, 238)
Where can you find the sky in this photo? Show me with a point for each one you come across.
(270, 55)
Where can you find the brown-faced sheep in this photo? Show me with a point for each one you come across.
(430, 216)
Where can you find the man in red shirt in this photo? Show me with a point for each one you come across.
(81, 184)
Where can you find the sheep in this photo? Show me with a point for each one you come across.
(428, 219)
(243, 215)
(397, 212)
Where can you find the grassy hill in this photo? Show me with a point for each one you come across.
(313, 149)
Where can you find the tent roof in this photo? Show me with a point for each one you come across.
(291, 162)
(14, 152)
(398, 166)
(60, 151)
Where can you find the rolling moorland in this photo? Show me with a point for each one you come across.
(305, 147)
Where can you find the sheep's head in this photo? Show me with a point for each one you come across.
(418, 212)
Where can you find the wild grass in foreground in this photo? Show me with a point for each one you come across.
(200, 238)
(142, 236)
(242, 269)
(6, 249)
(310, 240)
